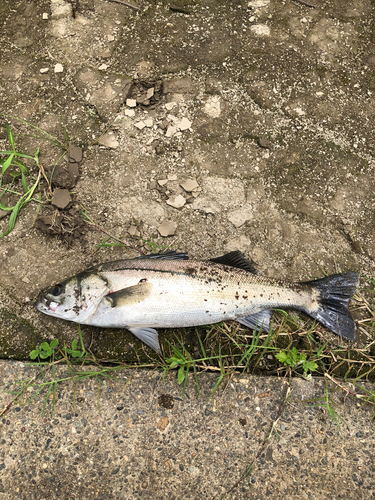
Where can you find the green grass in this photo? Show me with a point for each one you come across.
(12, 163)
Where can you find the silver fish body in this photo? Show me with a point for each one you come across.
(168, 291)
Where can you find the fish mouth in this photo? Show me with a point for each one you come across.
(45, 305)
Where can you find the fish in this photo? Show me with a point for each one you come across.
(168, 290)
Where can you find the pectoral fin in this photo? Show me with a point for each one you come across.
(148, 335)
(260, 320)
(129, 296)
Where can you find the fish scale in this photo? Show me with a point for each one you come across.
(167, 290)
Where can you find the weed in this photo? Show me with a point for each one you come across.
(295, 359)
(14, 165)
(155, 246)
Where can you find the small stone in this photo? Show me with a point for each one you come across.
(150, 92)
(184, 124)
(162, 424)
(167, 229)
(133, 231)
(25, 279)
(61, 198)
(45, 15)
(149, 122)
(162, 182)
(172, 177)
(189, 185)
(176, 201)
(356, 247)
(171, 130)
(264, 143)
(173, 118)
(131, 103)
(102, 67)
(108, 140)
(129, 112)
(170, 105)
(142, 99)
(141, 125)
(75, 154)
(44, 70)
(110, 38)
(59, 68)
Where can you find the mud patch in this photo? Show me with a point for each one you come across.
(67, 226)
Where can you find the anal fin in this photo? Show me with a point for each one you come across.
(148, 335)
(260, 320)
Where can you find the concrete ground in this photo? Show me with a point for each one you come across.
(206, 126)
(140, 437)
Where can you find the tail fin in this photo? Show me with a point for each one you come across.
(335, 292)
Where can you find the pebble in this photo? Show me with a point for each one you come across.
(44, 70)
(45, 15)
(25, 279)
(162, 424)
(133, 231)
(131, 103)
(170, 105)
(173, 118)
(176, 201)
(189, 185)
(149, 122)
(109, 141)
(141, 125)
(172, 177)
(129, 112)
(171, 130)
(102, 67)
(75, 154)
(59, 68)
(167, 228)
(184, 124)
(162, 182)
(61, 198)
(150, 92)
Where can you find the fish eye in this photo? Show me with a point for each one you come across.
(57, 289)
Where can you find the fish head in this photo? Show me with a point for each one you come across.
(75, 299)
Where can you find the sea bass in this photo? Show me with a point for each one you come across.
(168, 290)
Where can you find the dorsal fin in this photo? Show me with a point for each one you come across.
(168, 255)
(236, 259)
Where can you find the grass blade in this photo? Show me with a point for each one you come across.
(7, 164)
(10, 136)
